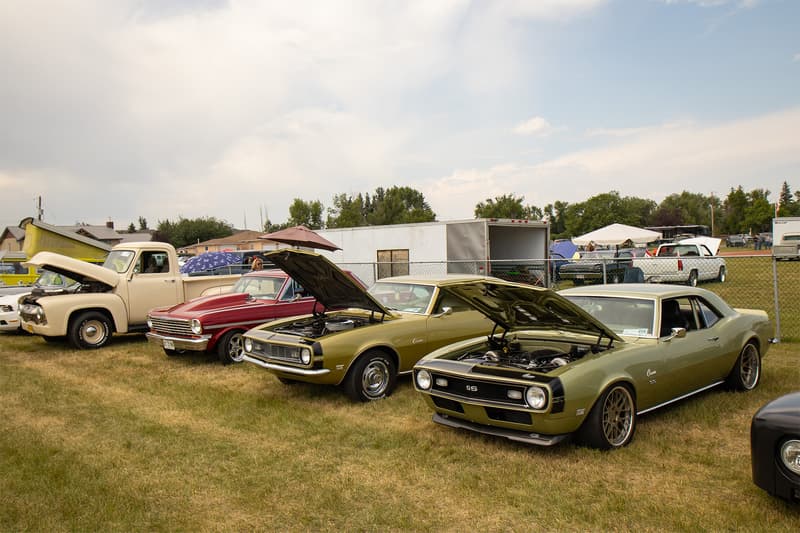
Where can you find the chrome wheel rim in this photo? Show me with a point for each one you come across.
(236, 348)
(93, 332)
(618, 416)
(375, 378)
(750, 367)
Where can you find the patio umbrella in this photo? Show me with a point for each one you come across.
(616, 234)
(210, 261)
(301, 236)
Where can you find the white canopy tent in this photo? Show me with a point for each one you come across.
(616, 234)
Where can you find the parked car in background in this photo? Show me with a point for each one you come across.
(775, 447)
(601, 266)
(382, 333)
(47, 282)
(587, 361)
(735, 241)
(216, 323)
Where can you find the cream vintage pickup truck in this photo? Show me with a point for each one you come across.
(114, 297)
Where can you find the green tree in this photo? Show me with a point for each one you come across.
(131, 228)
(507, 206)
(684, 208)
(397, 205)
(142, 224)
(556, 214)
(604, 209)
(188, 231)
(307, 214)
(759, 212)
(733, 209)
(788, 206)
(347, 211)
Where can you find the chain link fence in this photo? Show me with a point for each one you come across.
(749, 281)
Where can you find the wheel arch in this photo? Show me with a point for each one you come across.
(102, 310)
(385, 348)
(616, 380)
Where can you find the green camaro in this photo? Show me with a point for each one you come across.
(589, 360)
(361, 339)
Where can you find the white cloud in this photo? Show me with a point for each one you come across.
(534, 126)
(796, 57)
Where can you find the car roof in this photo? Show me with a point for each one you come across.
(436, 279)
(639, 290)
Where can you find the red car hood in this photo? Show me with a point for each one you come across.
(208, 304)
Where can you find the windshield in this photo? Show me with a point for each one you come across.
(52, 279)
(260, 286)
(632, 317)
(408, 297)
(119, 260)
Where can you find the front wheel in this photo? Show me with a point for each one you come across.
(692, 281)
(746, 372)
(231, 348)
(89, 330)
(372, 377)
(612, 421)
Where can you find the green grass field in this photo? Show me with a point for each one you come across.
(126, 439)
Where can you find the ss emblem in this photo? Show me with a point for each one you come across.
(472, 388)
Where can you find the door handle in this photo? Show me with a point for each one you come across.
(169, 281)
(712, 339)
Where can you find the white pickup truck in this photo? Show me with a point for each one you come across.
(688, 261)
(114, 297)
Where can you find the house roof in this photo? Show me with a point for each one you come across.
(15, 231)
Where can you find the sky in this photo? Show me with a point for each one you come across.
(232, 109)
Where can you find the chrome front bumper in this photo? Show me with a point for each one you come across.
(521, 436)
(198, 344)
(285, 369)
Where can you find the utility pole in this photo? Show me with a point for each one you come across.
(39, 210)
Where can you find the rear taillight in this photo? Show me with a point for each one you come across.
(680, 265)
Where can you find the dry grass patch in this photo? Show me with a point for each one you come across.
(127, 439)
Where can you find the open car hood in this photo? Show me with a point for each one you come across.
(711, 242)
(514, 307)
(324, 281)
(73, 268)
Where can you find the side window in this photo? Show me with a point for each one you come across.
(448, 300)
(153, 263)
(293, 289)
(708, 315)
(392, 263)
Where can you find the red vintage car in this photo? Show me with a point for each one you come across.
(217, 322)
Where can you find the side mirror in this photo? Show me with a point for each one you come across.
(446, 310)
(677, 333)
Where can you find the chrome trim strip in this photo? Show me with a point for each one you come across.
(283, 368)
(680, 397)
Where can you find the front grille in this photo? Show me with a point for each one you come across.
(282, 352)
(172, 326)
(480, 390)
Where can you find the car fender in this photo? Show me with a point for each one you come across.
(389, 350)
(59, 309)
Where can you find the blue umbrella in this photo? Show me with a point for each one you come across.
(210, 261)
(563, 247)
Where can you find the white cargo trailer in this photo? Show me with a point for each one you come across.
(786, 237)
(505, 247)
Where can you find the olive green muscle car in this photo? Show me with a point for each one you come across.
(587, 361)
(372, 337)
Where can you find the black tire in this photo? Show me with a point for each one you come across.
(746, 373)
(230, 348)
(692, 281)
(53, 340)
(722, 274)
(89, 330)
(612, 421)
(372, 377)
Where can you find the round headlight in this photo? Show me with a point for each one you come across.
(535, 397)
(424, 379)
(248, 345)
(305, 356)
(197, 327)
(790, 455)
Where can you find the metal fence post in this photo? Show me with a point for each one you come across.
(775, 297)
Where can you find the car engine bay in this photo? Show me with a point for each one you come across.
(321, 325)
(541, 358)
